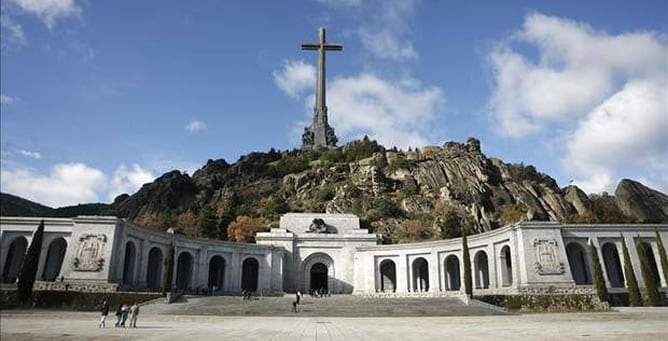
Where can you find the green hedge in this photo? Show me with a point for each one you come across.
(72, 300)
(543, 303)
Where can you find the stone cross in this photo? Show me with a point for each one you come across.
(320, 134)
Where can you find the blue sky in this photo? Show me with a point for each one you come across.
(99, 97)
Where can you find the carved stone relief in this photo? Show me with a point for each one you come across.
(547, 259)
(90, 255)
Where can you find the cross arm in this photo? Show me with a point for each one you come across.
(310, 46)
(333, 47)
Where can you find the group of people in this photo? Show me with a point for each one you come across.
(121, 315)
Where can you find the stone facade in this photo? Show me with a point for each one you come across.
(326, 251)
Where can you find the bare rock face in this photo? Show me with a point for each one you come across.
(576, 197)
(641, 202)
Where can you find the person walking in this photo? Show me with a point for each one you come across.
(294, 306)
(134, 311)
(119, 316)
(104, 311)
(298, 294)
(124, 315)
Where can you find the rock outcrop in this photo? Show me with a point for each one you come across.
(391, 190)
(641, 202)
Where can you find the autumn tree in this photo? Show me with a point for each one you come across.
(244, 228)
(631, 282)
(30, 263)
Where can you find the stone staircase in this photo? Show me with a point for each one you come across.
(335, 306)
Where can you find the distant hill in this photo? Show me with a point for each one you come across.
(405, 195)
(11, 205)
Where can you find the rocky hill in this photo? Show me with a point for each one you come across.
(406, 195)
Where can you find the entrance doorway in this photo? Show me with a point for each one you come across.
(319, 277)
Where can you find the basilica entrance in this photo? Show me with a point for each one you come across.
(319, 273)
(319, 277)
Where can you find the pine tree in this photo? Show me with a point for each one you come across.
(648, 277)
(169, 271)
(631, 283)
(207, 223)
(30, 263)
(599, 281)
(468, 285)
(662, 255)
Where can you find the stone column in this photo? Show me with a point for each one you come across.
(235, 274)
(491, 266)
(202, 272)
(142, 261)
(402, 272)
(434, 273)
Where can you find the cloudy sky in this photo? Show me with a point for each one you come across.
(99, 97)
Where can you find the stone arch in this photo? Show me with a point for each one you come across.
(54, 259)
(250, 271)
(216, 273)
(652, 262)
(310, 262)
(15, 254)
(481, 270)
(577, 260)
(154, 269)
(506, 266)
(452, 273)
(613, 267)
(184, 270)
(129, 263)
(420, 275)
(388, 276)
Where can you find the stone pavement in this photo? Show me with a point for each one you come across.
(629, 324)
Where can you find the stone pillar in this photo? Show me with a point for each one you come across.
(635, 259)
(434, 272)
(235, 275)
(402, 274)
(142, 263)
(601, 259)
(202, 268)
(491, 266)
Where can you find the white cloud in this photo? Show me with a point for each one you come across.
(295, 77)
(12, 32)
(72, 183)
(387, 44)
(575, 71)
(335, 3)
(603, 95)
(195, 126)
(396, 113)
(49, 11)
(128, 180)
(4, 99)
(384, 28)
(34, 155)
(629, 128)
(66, 184)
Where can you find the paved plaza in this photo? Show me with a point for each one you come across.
(224, 320)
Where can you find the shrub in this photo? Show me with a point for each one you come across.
(30, 263)
(648, 277)
(662, 255)
(468, 283)
(631, 283)
(169, 271)
(599, 281)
